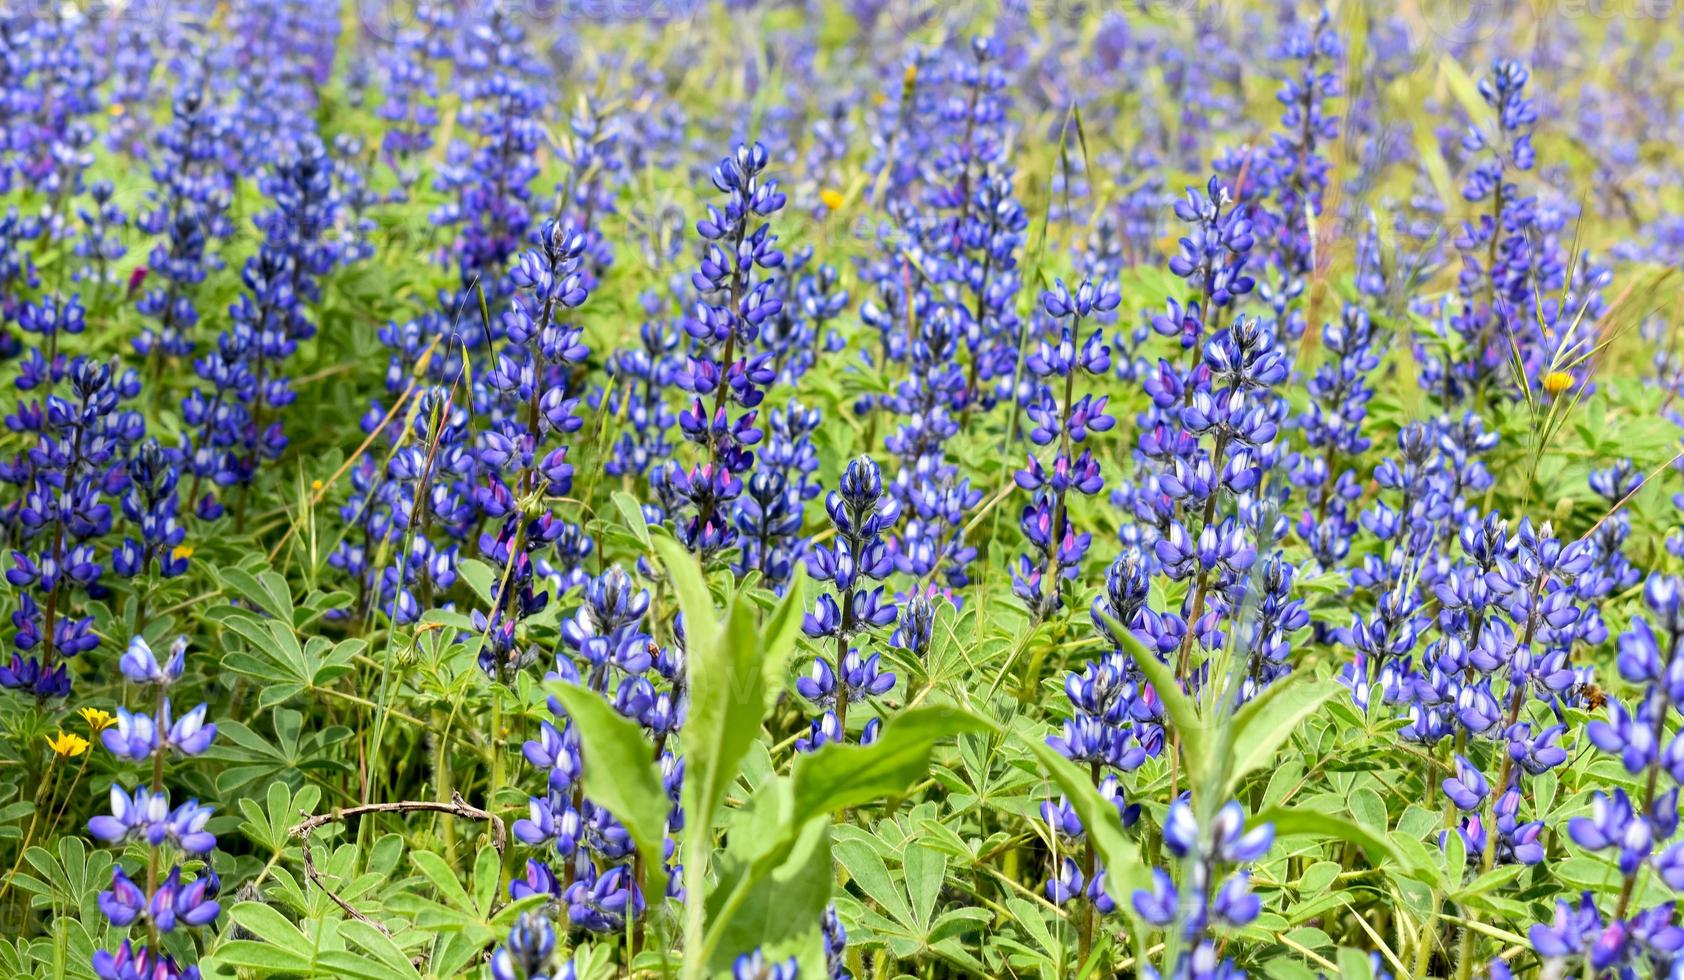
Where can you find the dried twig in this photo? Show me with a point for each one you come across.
(456, 807)
(315, 878)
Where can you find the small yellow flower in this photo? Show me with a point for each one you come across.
(1557, 382)
(910, 76)
(115, 109)
(67, 746)
(316, 485)
(181, 552)
(832, 198)
(98, 720)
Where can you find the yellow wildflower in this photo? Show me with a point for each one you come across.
(182, 551)
(910, 76)
(98, 720)
(115, 109)
(67, 746)
(1557, 382)
(832, 198)
(316, 485)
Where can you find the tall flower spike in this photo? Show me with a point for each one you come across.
(80, 439)
(732, 306)
(1640, 833)
(1062, 421)
(172, 900)
(1215, 890)
(861, 511)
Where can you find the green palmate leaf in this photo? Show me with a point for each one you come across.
(1183, 714)
(283, 667)
(1299, 820)
(270, 826)
(620, 774)
(289, 758)
(267, 591)
(70, 879)
(1266, 722)
(379, 946)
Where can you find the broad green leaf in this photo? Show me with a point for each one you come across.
(1299, 820)
(778, 634)
(620, 773)
(773, 908)
(1369, 809)
(1354, 965)
(1455, 857)
(701, 620)
(265, 958)
(1183, 714)
(1266, 722)
(1286, 968)
(865, 866)
(272, 927)
(727, 696)
(488, 878)
(838, 777)
(482, 578)
(632, 512)
(446, 879)
(1124, 871)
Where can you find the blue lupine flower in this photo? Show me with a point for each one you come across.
(132, 962)
(1216, 888)
(755, 966)
(529, 951)
(1468, 788)
(835, 945)
(600, 902)
(1061, 419)
(188, 206)
(860, 511)
(728, 317)
(1640, 832)
(80, 442)
(1297, 173)
(145, 816)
